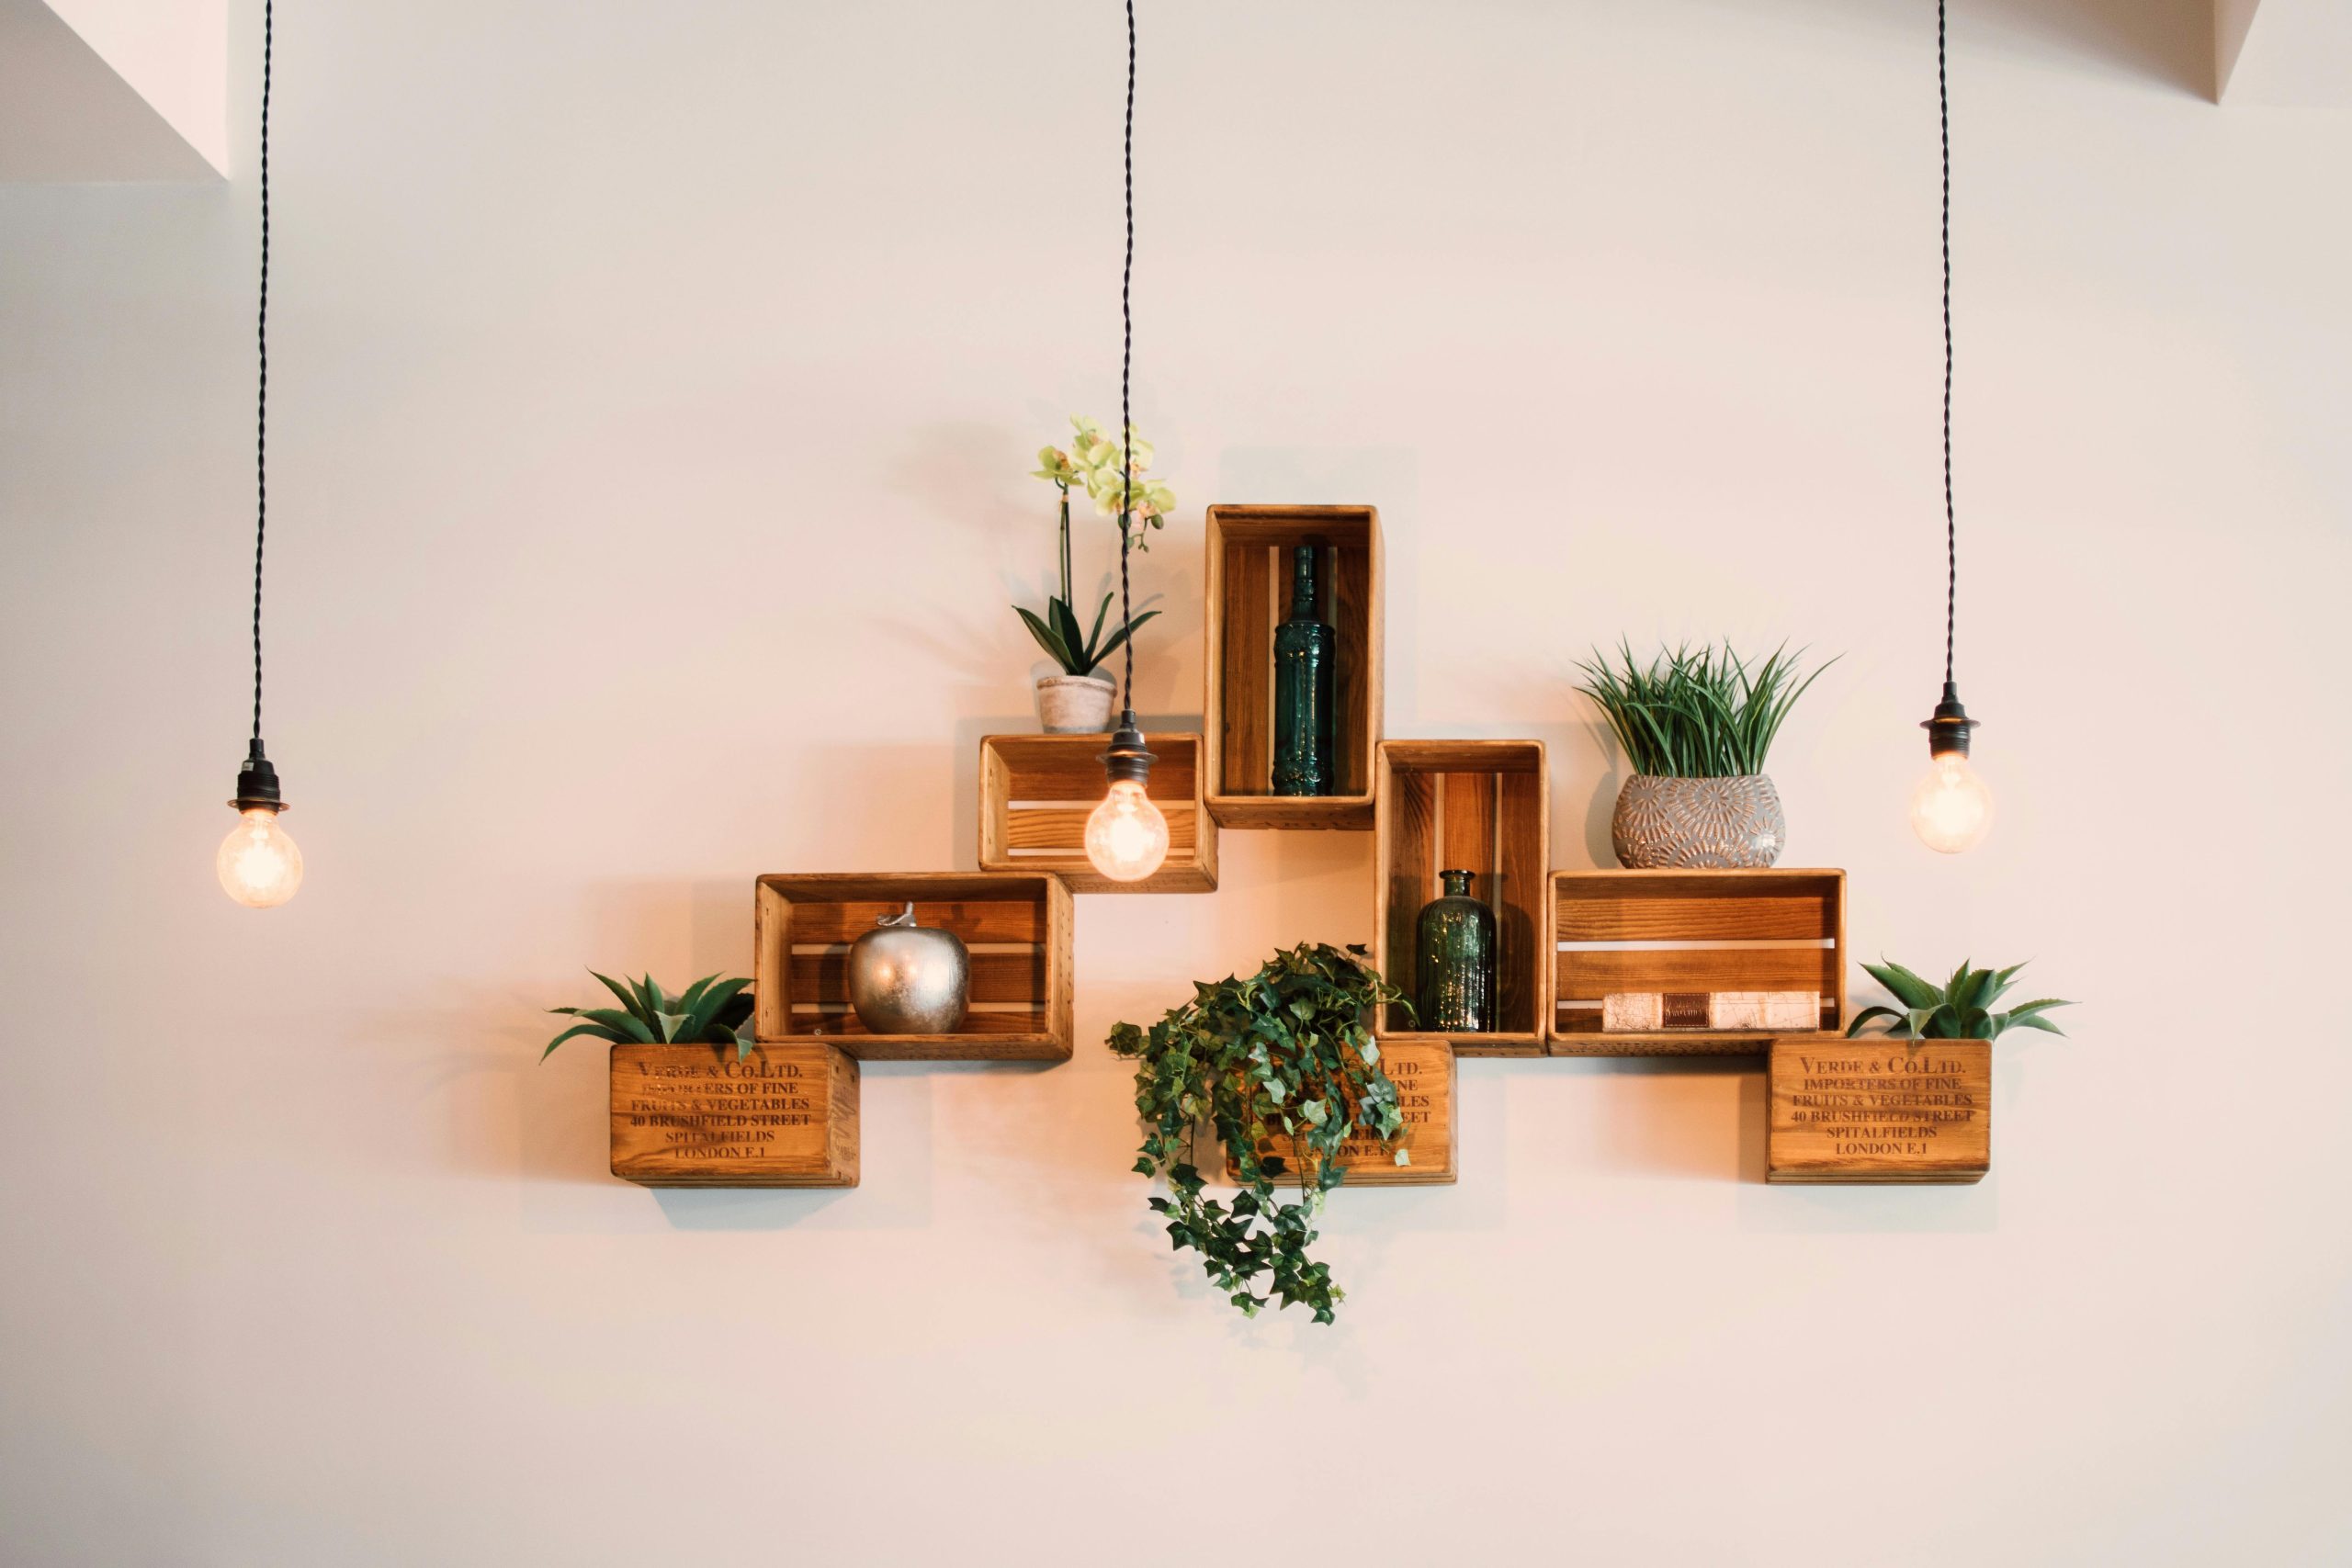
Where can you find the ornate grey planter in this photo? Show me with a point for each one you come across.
(1698, 823)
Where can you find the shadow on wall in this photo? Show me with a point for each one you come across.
(2168, 42)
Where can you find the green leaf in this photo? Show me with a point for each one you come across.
(627, 997)
(597, 1030)
(1906, 987)
(1866, 1016)
(1049, 642)
(628, 1025)
(703, 1016)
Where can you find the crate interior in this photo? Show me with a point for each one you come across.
(1256, 545)
(1476, 807)
(1693, 930)
(808, 924)
(1036, 792)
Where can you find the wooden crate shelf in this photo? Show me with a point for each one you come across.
(1036, 792)
(1880, 1112)
(1247, 593)
(1422, 1069)
(1690, 930)
(698, 1116)
(1017, 925)
(1480, 805)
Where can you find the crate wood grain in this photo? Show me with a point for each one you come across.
(1690, 930)
(1480, 805)
(696, 1116)
(1017, 925)
(1876, 1111)
(1036, 792)
(1424, 1074)
(1246, 594)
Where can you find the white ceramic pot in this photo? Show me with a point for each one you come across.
(1710, 823)
(1075, 704)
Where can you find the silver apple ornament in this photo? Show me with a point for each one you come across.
(910, 979)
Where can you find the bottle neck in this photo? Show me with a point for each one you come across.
(1302, 585)
(1457, 884)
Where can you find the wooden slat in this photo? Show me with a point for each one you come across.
(1686, 910)
(1588, 975)
(1247, 697)
(1069, 767)
(1355, 728)
(1466, 830)
(1522, 853)
(833, 1020)
(1001, 919)
(1408, 869)
(996, 976)
(1064, 827)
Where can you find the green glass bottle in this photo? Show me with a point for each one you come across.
(1306, 659)
(1454, 961)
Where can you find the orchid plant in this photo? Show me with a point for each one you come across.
(1102, 469)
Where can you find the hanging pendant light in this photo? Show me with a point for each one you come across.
(1126, 837)
(1950, 809)
(258, 864)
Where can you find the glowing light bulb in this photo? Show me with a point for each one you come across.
(1951, 810)
(259, 864)
(1126, 837)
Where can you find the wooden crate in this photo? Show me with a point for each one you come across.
(1016, 924)
(1424, 1074)
(1036, 792)
(1690, 930)
(696, 1116)
(1247, 596)
(1879, 1111)
(1481, 806)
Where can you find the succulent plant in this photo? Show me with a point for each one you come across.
(711, 1010)
(1961, 1009)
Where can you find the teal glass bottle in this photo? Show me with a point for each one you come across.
(1305, 664)
(1455, 962)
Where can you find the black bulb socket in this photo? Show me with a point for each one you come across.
(1127, 757)
(1948, 732)
(257, 782)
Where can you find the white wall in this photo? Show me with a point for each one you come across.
(654, 389)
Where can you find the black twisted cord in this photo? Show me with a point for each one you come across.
(261, 334)
(1951, 525)
(1126, 358)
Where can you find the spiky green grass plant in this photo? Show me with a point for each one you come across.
(1702, 712)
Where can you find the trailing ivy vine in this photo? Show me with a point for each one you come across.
(1281, 1061)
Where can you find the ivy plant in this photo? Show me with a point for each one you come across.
(1283, 1060)
(1961, 1009)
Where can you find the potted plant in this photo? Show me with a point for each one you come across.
(1961, 1009)
(1078, 700)
(1911, 1103)
(1696, 726)
(710, 1011)
(1282, 1060)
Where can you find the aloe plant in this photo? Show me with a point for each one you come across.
(1696, 714)
(711, 1010)
(1961, 1009)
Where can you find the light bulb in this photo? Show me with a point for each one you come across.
(259, 865)
(1951, 810)
(1126, 837)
